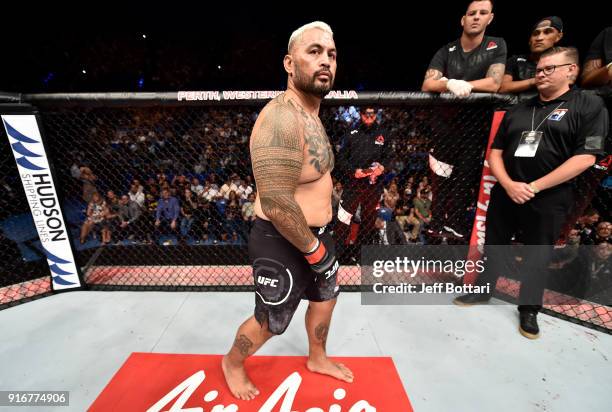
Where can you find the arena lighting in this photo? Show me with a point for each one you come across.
(84, 71)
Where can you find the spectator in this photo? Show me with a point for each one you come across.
(588, 275)
(391, 196)
(151, 185)
(196, 187)
(422, 210)
(409, 190)
(336, 196)
(96, 219)
(137, 195)
(203, 162)
(112, 201)
(88, 180)
(415, 233)
(166, 214)
(207, 220)
(210, 193)
(586, 223)
(403, 211)
(180, 182)
(188, 206)
(230, 185)
(602, 233)
(139, 187)
(129, 215)
(112, 215)
(233, 215)
(243, 191)
(567, 251)
(248, 210)
(162, 180)
(388, 231)
(249, 182)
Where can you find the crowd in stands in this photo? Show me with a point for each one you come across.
(200, 157)
(123, 166)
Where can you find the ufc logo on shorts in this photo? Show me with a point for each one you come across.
(262, 280)
(333, 270)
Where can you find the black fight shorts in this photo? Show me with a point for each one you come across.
(282, 276)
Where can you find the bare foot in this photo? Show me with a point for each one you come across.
(238, 381)
(326, 367)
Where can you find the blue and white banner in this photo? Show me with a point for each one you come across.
(26, 142)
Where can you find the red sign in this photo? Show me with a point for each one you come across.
(156, 382)
(487, 182)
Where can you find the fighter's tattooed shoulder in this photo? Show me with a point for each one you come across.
(319, 149)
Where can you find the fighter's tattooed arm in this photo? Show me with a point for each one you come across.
(277, 154)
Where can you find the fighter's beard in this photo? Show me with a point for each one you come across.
(310, 86)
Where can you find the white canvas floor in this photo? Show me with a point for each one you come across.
(449, 358)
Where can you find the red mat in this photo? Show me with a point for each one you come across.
(171, 382)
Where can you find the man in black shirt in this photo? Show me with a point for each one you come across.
(540, 146)
(361, 160)
(474, 62)
(598, 62)
(520, 69)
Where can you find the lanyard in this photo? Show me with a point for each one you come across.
(533, 117)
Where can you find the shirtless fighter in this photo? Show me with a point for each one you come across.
(292, 254)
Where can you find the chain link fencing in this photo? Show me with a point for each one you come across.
(159, 194)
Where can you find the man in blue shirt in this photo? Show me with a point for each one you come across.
(166, 214)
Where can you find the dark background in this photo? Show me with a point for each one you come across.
(382, 46)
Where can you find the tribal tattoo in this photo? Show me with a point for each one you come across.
(243, 344)
(277, 154)
(321, 332)
(318, 143)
